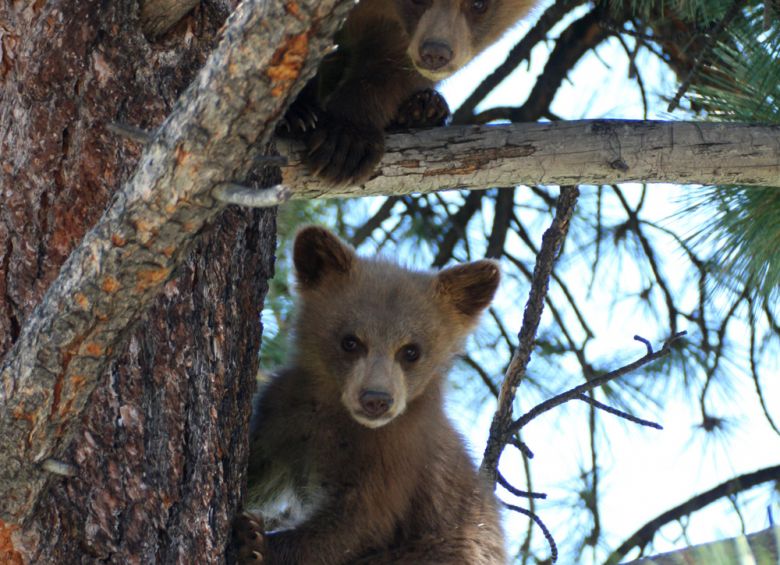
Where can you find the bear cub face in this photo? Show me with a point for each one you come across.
(375, 334)
(444, 35)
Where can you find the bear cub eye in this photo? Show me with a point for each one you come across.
(410, 352)
(350, 343)
(479, 6)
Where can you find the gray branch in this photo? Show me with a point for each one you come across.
(212, 137)
(561, 153)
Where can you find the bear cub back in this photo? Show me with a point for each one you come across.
(352, 458)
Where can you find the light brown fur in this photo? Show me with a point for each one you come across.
(395, 487)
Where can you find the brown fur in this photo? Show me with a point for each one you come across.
(384, 58)
(397, 487)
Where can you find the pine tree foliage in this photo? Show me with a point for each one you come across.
(742, 84)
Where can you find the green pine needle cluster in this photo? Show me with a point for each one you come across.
(741, 83)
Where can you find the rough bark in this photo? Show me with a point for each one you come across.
(160, 449)
(563, 153)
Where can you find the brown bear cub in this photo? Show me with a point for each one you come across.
(351, 440)
(390, 55)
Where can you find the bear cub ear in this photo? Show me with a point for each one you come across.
(469, 287)
(317, 252)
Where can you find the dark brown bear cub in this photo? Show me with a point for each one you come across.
(351, 440)
(390, 55)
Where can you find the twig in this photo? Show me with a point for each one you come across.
(231, 193)
(516, 491)
(591, 384)
(596, 404)
(646, 342)
(521, 446)
(542, 526)
(519, 53)
(58, 468)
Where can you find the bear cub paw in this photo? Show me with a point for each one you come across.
(299, 119)
(424, 109)
(250, 541)
(344, 152)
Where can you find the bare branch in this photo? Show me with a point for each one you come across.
(547, 535)
(552, 240)
(212, 137)
(591, 384)
(232, 193)
(516, 491)
(562, 153)
(519, 53)
(625, 415)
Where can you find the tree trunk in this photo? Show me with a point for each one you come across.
(161, 446)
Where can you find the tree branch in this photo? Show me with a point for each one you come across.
(645, 534)
(552, 240)
(563, 153)
(595, 382)
(210, 138)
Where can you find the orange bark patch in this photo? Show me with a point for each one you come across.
(55, 403)
(287, 62)
(169, 251)
(182, 155)
(110, 285)
(147, 278)
(144, 229)
(8, 553)
(81, 300)
(20, 414)
(293, 9)
(118, 240)
(77, 381)
(92, 349)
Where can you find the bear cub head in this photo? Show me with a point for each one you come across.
(444, 35)
(374, 335)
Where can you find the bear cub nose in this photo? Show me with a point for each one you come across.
(375, 403)
(435, 54)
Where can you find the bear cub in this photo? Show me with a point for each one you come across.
(390, 55)
(352, 458)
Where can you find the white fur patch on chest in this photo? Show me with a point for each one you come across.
(290, 506)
